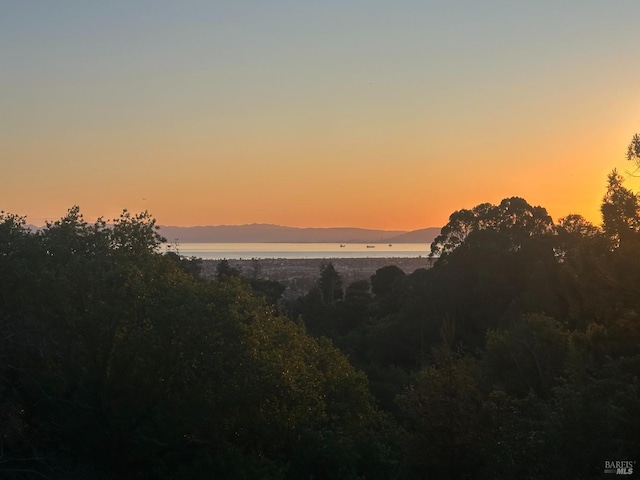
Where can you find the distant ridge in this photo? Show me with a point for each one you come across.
(424, 235)
(268, 233)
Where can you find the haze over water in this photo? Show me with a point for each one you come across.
(246, 251)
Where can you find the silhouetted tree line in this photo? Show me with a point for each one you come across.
(517, 355)
(119, 362)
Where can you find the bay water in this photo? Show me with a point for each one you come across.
(247, 251)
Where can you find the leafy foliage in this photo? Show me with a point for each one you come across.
(517, 355)
(620, 211)
(330, 283)
(633, 150)
(513, 217)
(117, 362)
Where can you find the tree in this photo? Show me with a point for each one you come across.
(620, 211)
(117, 363)
(513, 217)
(330, 283)
(354, 311)
(574, 224)
(520, 220)
(383, 280)
(633, 150)
(270, 290)
(136, 234)
(527, 357)
(224, 270)
(192, 265)
(441, 410)
(461, 224)
(358, 292)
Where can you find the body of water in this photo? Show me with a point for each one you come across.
(246, 251)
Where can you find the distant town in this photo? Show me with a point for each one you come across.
(299, 275)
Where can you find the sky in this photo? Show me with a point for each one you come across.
(372, 114)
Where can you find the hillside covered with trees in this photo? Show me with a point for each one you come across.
(517, 355)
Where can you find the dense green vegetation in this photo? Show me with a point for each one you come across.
(119, 362)
(516, 356)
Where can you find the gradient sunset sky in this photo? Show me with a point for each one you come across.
(371, 114)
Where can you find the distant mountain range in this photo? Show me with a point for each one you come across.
(279, 234)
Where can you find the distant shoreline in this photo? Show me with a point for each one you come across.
(310, 242)
(297, 250)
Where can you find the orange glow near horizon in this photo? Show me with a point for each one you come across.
(388, 119)
(379, 197)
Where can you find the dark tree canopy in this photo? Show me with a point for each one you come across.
(330, 283)
(575, 224)
(224, 270)
(358, 292)
(513, 217)
(633, 150)
(383, 280)
(620, 210)
(117, 362)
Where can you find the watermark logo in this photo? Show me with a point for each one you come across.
(619, 467)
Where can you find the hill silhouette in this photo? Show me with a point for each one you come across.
(424, 235)
(281, 234)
